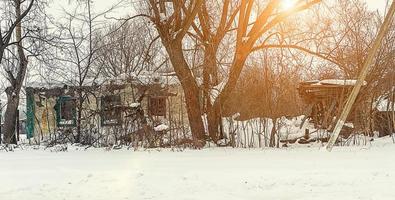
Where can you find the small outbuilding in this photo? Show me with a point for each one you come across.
(325, 100)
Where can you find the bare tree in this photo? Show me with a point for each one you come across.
(78, 50)
(6, 32)
(173, 26)
(16, 71)
(127, 49)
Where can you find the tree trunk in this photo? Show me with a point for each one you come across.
(273, 134)
(213, 120)
(16, 83)
(10, 117)
(210, 79)
(214, 115)
(190, 87)
(79, 115)
(194, 112)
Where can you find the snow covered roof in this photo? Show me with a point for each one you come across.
(161, 127)
(38, 84)
(144, 78)
(345, 82)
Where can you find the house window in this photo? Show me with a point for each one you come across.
(111, 110)
(66, 111)
(157, 106)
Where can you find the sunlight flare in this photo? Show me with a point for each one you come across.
(287, 4)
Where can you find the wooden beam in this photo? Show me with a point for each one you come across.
(366, 67)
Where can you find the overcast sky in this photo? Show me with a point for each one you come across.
(101, 5)
(376, 4)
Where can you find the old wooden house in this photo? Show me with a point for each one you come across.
(112, 109)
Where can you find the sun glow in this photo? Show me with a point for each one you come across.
(287, 4)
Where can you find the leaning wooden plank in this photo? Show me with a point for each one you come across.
(361, 79)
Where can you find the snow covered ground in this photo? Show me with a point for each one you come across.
(361, 172)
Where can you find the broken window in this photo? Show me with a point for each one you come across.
(157, 106)
(66, 111)
(111, 110)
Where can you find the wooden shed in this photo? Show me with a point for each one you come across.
(325, 100)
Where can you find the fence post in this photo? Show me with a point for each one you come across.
(17, 126)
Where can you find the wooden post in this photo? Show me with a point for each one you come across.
(17, 126)
(368, 62)
(1, 119)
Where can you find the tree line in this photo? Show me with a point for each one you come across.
(223, 52)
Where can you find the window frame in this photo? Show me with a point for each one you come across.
(104, 118)
(157, 106)
(60, 102)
